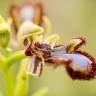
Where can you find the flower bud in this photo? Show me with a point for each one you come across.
(4, 33)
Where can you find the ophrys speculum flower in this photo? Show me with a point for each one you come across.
(79, 65)
(35, 13)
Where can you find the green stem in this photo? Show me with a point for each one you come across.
(6, 51)
(22, 80)
(15, 57)
(10, 82)
(2, 62)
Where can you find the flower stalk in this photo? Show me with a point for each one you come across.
(21, 86)
(9, 82)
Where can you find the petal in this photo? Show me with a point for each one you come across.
(39, 13)
(27, 31)
(35, 67)
(69, 47)
(14, 13)
(74, 44)
(53, 40)
(47, 25)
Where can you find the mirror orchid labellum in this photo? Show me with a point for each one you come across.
(79, 65)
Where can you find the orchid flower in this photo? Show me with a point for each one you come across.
(29, 11)
(79, 64)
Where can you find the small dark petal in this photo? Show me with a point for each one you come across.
(35, 68)
(74, 44)
(36, 62)
(82, 43)
(28, 51)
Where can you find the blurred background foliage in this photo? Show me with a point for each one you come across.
(69, 18)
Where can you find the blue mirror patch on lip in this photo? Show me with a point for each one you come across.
(81, 61)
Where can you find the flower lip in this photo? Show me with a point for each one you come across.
(89, 74)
